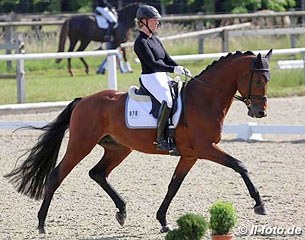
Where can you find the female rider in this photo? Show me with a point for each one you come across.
(155, 63)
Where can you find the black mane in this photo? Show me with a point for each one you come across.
(223, 58)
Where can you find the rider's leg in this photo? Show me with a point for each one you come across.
(108, 34)
(157, 85)
(162, 127)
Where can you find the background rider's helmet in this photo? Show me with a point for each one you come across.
(147, 11)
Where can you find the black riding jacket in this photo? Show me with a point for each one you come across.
(152, 55)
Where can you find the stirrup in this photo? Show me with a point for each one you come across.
(164, 145)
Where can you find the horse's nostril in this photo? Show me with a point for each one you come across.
(262, 113)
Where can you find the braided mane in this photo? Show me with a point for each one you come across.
(223, 58)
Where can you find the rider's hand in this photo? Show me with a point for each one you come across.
(182, 71)
(187, 72)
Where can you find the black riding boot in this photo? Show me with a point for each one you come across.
(107, 37)
(162, 125)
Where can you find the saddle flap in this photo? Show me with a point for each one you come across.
(138, 116)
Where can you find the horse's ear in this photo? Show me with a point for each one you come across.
(259, 60)
(268, 55)
(259, 56)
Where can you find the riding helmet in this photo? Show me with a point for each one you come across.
(147, 11)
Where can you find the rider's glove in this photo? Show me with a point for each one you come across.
(182, 71)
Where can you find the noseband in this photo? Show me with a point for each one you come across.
(247, 100)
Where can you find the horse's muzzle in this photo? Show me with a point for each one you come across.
(257, 113)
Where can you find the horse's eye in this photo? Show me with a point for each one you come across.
(257, 81)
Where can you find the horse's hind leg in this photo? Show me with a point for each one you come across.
(82, 47)
(77, 149)
(113, 156)
(51, 186)
(126, 63)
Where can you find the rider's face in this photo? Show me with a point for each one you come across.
(153, 24)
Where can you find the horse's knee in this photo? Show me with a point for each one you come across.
(93, 174)
(237, 166)
(97, 176)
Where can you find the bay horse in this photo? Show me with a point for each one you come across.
(99, 119)
(85, 29)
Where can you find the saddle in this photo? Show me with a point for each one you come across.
(102, 22)
(142, 94)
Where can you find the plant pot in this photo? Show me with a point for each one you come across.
(228, 236)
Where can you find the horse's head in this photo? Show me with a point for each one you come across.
(253, 86)
(127, 14)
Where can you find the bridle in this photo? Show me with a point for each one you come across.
(247, 100)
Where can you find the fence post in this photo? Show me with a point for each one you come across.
(20, 81)
(20, 73)
(8, 32)
(9, 37)
(244, 132)
(225, 40)
(199, 26)
(112, 75)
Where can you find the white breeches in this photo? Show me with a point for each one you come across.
(157, 85)
(106, 13)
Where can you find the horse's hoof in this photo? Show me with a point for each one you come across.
(166, 228)
(120, 217)
(41, 230)
(260, 209)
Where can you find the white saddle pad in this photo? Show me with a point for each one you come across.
(102, 22)
(137, 114)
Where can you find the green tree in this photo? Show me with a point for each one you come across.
(36, 6)
(235, 6)
(243, 6)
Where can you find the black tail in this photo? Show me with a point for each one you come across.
(62, 38)
(30, 178)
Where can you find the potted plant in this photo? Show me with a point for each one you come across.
(191, 227)
(223, 218)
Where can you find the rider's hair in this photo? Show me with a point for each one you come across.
(138, 24)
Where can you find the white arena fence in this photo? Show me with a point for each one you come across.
(246, 131)
(111, 59)
(20, 78)
(287, 51)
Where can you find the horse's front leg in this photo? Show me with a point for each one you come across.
(183, 167)
(69, 67)
(215, 154)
